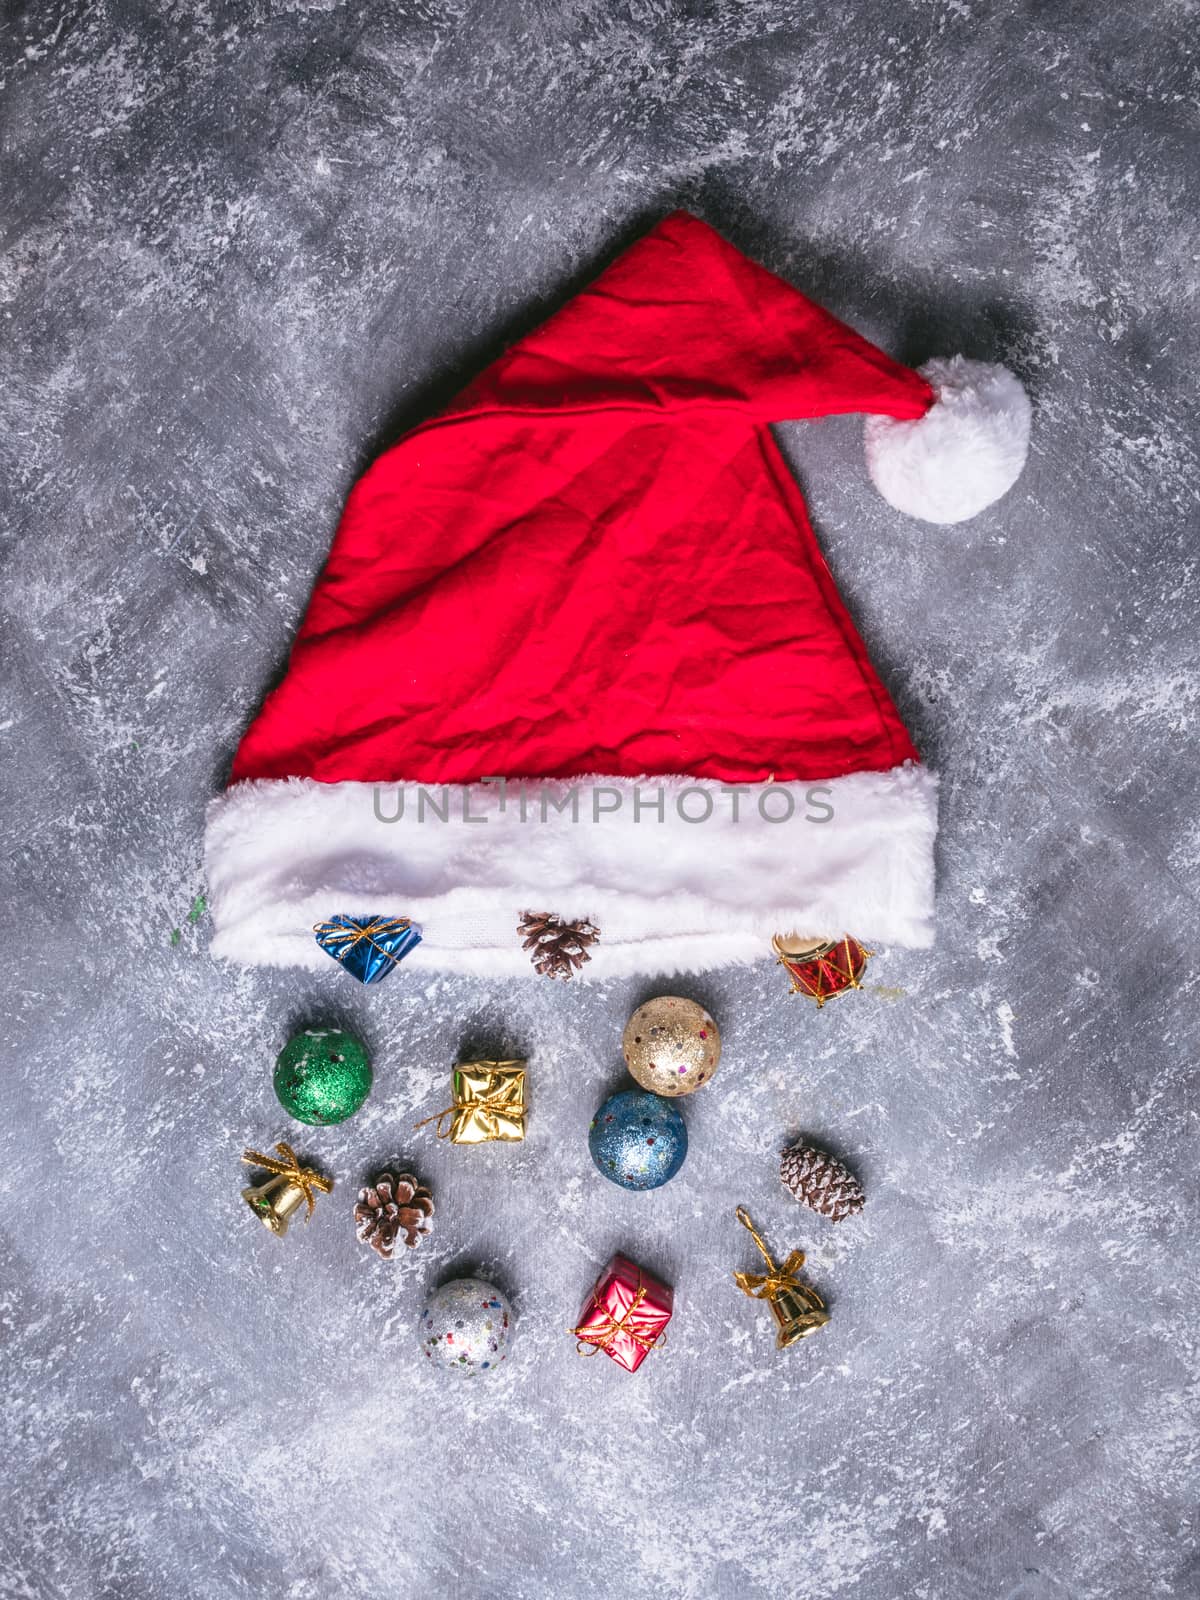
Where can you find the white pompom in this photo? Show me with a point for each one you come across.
(964, 453)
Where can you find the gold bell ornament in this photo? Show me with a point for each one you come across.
(796, 1307)
(289, 1187)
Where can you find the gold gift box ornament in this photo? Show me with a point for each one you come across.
(489, 1103)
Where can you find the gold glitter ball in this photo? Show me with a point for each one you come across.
(672, 1046)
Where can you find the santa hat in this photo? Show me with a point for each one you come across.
(592, 577)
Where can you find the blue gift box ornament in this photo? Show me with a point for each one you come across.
(368, 947)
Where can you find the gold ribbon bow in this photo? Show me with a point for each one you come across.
(348, 937)
(589, 1340)
(304, 1178)
(495, 1100)
(769, 1285)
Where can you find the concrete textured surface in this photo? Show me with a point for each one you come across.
(246, 245)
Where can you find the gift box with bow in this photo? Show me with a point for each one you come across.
(368, 947)
(489, 1103)
(625, 1315)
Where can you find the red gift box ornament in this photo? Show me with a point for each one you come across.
(821, 968)
(625, 1315)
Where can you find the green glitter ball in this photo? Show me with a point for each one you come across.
(322, 1076)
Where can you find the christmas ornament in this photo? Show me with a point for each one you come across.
(638, 1140)
(710, 650)
(557, 949)
(821, 968)
(394, 1206)
(489, 1103)
(625, 1315)
(819, 1180)
(671, 1045)
(289, 1187)
(368, 947)
(796, 1307)
(466, 1327)
(322, 1076)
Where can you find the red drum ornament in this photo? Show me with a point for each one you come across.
(821, 968)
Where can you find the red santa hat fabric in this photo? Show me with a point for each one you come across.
(576, 649)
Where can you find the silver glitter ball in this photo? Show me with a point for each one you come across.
(466, 1327)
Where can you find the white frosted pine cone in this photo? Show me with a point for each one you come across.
(821, 1182)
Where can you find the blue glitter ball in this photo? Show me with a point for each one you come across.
(638, 1140)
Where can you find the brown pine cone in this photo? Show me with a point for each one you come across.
(558, 949)
(393, 1205)
(819, 1180)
